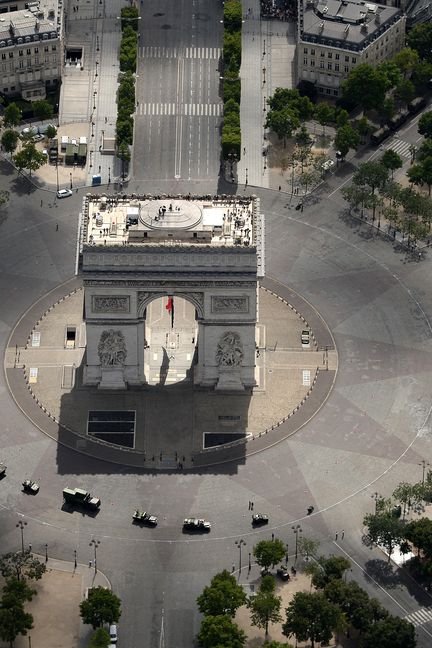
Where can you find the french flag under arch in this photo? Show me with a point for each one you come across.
(170, 308)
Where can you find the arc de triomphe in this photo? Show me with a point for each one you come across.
(208, 250)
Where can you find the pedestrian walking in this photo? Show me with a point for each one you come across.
(342, 534)
(41, 203)
(249, 507)
(336, 535)
(252, 505)
(56, 227)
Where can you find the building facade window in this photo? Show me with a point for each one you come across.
(305, 51)
(322, 65)
(322, 53)
(313, 52)
(329, 66)
(20, 52)
(354, 60)
(337, 57)
(336, 67)
(329, 54)
(346, 59)
(312, 63)
(305, 61)
(346, 68)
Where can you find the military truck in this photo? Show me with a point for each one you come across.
(80, 497)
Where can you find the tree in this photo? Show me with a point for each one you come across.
(405, 91)
(284, 98)
(282, 122)
(223, 596)
(366, 86)
(21, 566)
(269, 552)
(29, 158)
(233, 15)
(101, 606)
(220, 632)
(265, 606)
(421, 76)
(373, 175)
(12, 115)
(355, 196)
(18, 589)
(324, 114)
(329, 569)
(14, 621)
(51, 131)
(364, 127)
(406, 59)
(43, 109)
(419, 38)
(392, 73)
(391, 160)
(419, 532)
(342, 117)
(391, 632)
(302, 138)
(307, 547)
(312, 617)
(384, 529)
(123, 153)
(9, 140)
(346, 138)
(309, 179)
(388, 109)
(100, 639)
(425, 124)
(275, 644)
(360, 610)
(426, 172)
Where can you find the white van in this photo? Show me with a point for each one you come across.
(113, 633)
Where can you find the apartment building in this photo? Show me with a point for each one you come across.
(30, 49)
(336, 35)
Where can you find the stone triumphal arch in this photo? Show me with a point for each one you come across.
(207, 250)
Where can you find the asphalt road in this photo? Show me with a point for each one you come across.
(179, 107)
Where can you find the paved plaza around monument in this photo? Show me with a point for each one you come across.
(174, 420)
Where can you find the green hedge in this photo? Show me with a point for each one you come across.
(126, 92)
(231, 133)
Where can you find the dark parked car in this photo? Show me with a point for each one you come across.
(282, 573)
(259, 518)
(30, 486)
(142, 517)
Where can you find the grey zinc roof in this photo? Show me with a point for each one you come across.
(348, 22)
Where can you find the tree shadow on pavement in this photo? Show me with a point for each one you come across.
(6, 168)
(382, 572)
(22, 186)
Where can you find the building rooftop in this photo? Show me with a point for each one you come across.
(347, 24)
(144, 220)
(38, 22)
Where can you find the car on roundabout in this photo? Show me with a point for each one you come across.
(259, 519)
(64, 193)
(143, 517)
(196, 524)
(30, 486)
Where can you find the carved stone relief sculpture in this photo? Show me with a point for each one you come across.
(112, 348)
(101, 304)
(229, 304)
(229, 352)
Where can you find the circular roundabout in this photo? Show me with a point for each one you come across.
(370, 434)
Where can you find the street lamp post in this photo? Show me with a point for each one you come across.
(75, 559)
(264, 73)
(70, 178)
(109, 175)
(286, 554)
(96, 63)
(94, 99)
(46, 552)
(97, 43)
(240, 543)
(57, 178)
(264, 49)
(20, 525)
(95, 544)
(250, 563)
(423, 463)
(90, 153)
(375, 496)
(297, 529)
(264, 105)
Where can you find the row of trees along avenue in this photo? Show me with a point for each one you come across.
(333, 606)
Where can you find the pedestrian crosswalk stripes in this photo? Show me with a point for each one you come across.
(191, 110)
(150, 51)
(419, 617)
(399, 146)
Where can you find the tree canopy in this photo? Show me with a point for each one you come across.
(29, 158)
(425, 124)
(391, 632)
(9, 140)
(43, 109)
(346, 138)
(265, 605)
(101, 606)
(12, 115)
(20, 565)
(100, 639)
(223, 596)
(220, 632)
(366, 86)
(269, 552)
(311, 617)
(419, 38)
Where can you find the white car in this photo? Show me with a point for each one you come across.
(327, 165)
(64, 193)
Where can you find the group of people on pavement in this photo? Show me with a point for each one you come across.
(279, 9)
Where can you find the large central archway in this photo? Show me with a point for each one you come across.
(170, 340)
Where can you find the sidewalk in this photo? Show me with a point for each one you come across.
(59, 594)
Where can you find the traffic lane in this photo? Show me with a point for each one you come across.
(394, 588)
